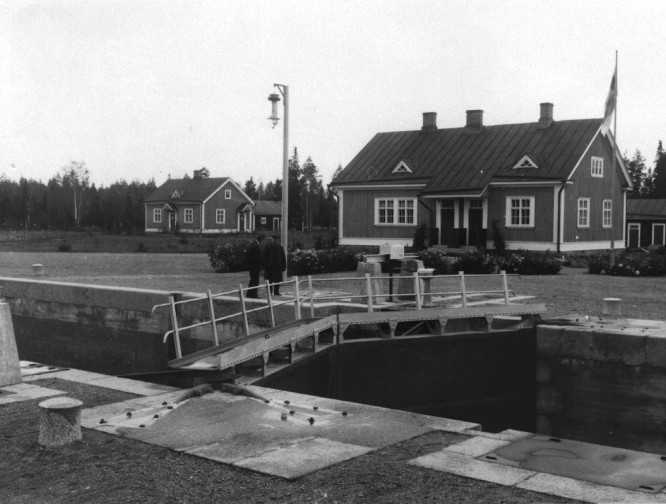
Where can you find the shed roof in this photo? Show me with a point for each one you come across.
(190, 189)
(267, 207)
(460, 159)
(652, 207)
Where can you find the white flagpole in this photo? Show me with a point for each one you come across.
(614, 146)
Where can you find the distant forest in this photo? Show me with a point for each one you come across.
(69, 201)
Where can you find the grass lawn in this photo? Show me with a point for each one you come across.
(571, 291)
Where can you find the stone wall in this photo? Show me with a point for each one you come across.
(604, 382)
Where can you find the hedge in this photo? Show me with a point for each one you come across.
(522, 262)
(635, 263)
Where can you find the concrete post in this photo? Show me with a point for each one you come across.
(10, 369)
(59, 421)
(611, 306)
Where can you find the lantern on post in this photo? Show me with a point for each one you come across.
(274, 98)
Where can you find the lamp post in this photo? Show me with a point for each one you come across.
(274, 98)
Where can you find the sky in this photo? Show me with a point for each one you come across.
(141, 89)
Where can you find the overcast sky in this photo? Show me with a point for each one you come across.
(142, 89)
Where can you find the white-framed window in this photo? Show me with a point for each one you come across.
(227, 194)
(583, 212)
(188, 215)
(607, 213)
(597, 166)
(520, 211)
(658, 233)
(157, 215)
(220, 216)
(395, 211)
(263, 220)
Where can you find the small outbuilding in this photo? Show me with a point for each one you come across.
(646, 222)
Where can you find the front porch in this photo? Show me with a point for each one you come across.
(461, 221)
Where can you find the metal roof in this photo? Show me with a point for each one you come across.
(267, 207)
(652, 207)
(463, 159)
(190, 189)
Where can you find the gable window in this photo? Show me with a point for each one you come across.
(520, 211)
(220, 215)
(402, 168)
(607, 213)
(188, 215)
(583, 212)
(597, 165)
(525, 162)
(227, 194)
(157, 215)
(396, 211)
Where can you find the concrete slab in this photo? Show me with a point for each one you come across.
(29, 368)
(585, 491)
(25, 392)
(477, 446)
(302, 456)
(132, 386)
(455, 463)
(505, 435)
(604, 465)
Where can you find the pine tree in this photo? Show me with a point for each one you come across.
(251, 189)
(637, 172)
(659, 172)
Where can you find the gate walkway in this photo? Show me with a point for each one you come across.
(259, 353)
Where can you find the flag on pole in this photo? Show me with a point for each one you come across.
(611, 102)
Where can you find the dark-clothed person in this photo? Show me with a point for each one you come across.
(254, 261)
(275, 263)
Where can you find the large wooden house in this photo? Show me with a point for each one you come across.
(200, 204)
(544, 185)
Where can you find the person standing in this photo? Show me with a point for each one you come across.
(254, 261)
(275, 263)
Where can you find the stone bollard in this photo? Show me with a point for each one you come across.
(611, 306)
(10, 368)
(38, 269)
(59, 421)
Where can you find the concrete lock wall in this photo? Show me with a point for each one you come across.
(105, 329)
(602, 385)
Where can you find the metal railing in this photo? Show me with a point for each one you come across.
(418, 295)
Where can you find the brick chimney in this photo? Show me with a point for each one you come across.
(429, 121)
(546, 114)
(474, 119)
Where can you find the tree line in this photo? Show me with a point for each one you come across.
(647, 182)
(68, 200)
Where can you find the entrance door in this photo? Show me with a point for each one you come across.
(634, 232)
(476, 236)
(172, 221)
(447, 232)
(658, 234)
(241, 222)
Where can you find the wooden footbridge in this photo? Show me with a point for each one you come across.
(256, 354)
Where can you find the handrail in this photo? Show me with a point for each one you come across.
(420, 296)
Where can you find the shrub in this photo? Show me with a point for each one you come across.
(141, 247)
(525, 262)
(475, 262)
(309, 262)
(65, 247)
(631, 263)
(419, 238)
(435, 257)
(229, 255)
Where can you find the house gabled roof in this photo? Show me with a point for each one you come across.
(190, 189)
(267, 207)
(646, 208)
(463, 160)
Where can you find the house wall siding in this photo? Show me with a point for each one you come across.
(646, 228)
(543, 213)
(358, 218)
(181, 225)
(597, 189)
(230, 206)
(150, 222)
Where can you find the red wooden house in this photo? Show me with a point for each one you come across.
(200, 204)
(646, 222)
(545, 185)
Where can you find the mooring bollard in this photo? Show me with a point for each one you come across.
(38, 269)
(611, 306)
(59, 421)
